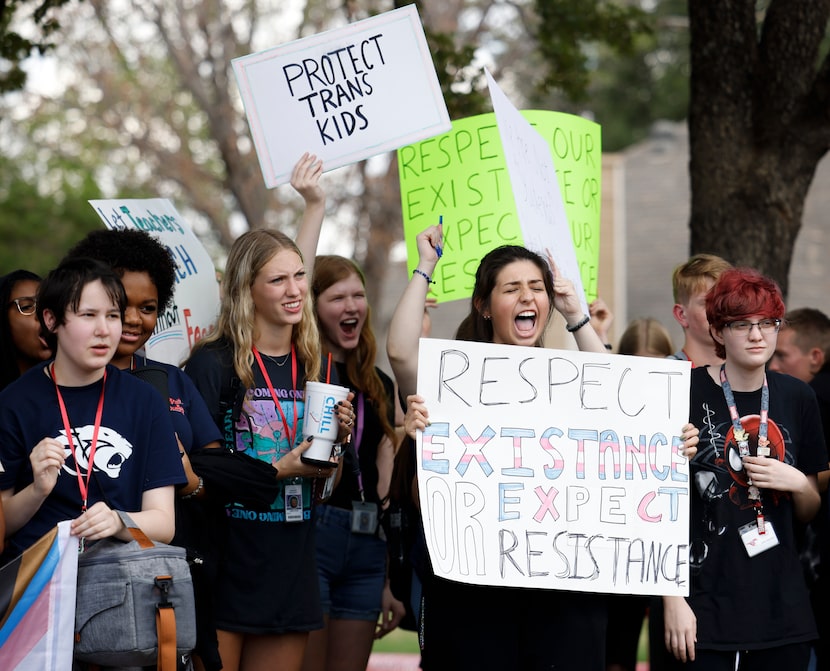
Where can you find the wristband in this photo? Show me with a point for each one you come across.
(609, 346)
(424, 275)
(578, 325)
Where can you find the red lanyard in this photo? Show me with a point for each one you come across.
(83, 483)
(288, 429)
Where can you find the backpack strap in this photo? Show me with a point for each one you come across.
(232, 391)
(165, 627)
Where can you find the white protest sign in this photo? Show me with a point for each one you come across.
(195, 306)
(344, 95)
(554, 469)
(539, 204)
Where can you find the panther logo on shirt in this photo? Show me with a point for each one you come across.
(111, 452)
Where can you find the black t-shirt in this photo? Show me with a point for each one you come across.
(267, 581)
(744, 602)
(366, 436)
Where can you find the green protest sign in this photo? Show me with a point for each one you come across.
(462, 177)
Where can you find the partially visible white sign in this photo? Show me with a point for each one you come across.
(195, 307)
(539, 204)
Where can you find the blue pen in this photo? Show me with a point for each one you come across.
(438, 249)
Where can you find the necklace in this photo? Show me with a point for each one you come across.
(291, 435)
(276, 359)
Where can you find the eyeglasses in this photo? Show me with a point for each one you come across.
(25, 306)
(743, 326)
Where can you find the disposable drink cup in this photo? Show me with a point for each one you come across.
(320, 420)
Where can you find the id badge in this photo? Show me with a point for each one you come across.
(293, 503)
(756, 542)
(364, 517)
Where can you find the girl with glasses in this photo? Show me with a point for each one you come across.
(753, 482)
(21, 346)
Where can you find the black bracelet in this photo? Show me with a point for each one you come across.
(609, 346)
(424, 275)
(578, 325)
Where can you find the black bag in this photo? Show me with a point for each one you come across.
(134, 604)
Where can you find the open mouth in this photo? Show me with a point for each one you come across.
(294, 305)
(526, 322)
(349, 327)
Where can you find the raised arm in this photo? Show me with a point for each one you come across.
(405, 327)
(567, 303)
(306, 180)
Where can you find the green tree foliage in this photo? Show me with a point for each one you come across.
(15, 47)
(39, 224)
(567, 27)
(625, 66)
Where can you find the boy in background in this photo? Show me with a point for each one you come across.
(691, 282)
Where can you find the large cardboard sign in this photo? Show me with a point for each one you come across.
(196, 299)
(553, 469)
(462, 176)
(344, 94)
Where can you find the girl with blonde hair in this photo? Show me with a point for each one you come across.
(252, 372)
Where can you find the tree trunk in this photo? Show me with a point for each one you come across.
(758, 127)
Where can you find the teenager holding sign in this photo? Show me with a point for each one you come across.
(754, 480)
(484, 627)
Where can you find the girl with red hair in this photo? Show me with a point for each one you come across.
(754, 480)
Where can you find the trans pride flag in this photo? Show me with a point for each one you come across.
(37, 604)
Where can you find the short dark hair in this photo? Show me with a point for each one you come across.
(61, 291)
(134, 251)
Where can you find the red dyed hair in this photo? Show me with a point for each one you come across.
(741, 293)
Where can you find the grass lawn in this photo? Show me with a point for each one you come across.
(398, 640)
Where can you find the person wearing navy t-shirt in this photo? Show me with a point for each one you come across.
(148, 272)
(79, 439)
